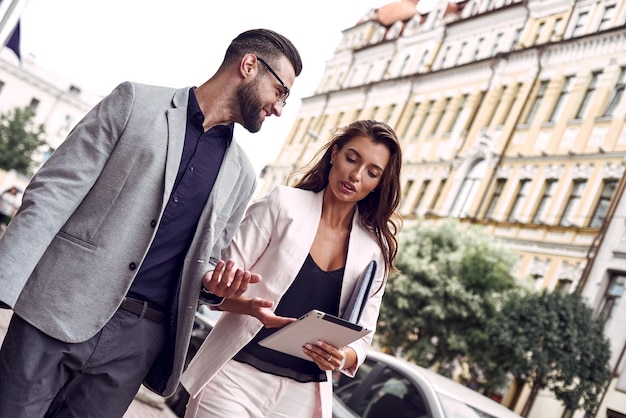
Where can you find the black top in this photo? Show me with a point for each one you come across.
(313, 288)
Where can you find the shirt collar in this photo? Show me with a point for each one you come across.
(195, 116)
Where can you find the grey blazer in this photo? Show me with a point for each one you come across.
(88, 218)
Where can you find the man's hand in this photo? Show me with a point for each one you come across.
(227, 281)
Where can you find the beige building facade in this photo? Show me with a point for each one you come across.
(511, 115)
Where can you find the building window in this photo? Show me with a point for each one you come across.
(563, 286)
(445, 56)
(437, 195)
(544, 202)
(424, 118)
(509, 104)
(516, 37)
(581, 22)
(495, 198)
(539, 32)
(496, 106)
(404, 64)
(558, 108)
(496, 45)
(474, 10)
(612, 297)
(468, 190)
(472, 111)
(423, 59)
(556, 30)
(390, 111)
(34, 104)
(440, 117)
(477, 50)
(607, 17)
(572, 202)
(309, 132)
(68, 122)
(541, 91)
(421, 195)
(406, 189)
(340, 118)
(412, 111)
(460, 54)
(591, 88)
(455, 119)
(617, 94)
(603, 203)
(522, 190)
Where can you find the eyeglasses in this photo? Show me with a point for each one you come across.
(283, 97)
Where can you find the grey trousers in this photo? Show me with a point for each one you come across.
(43, 377)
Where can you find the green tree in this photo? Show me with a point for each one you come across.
(552, 340)
(20, 139)
(451, 282)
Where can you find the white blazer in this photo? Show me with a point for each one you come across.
(274, 240)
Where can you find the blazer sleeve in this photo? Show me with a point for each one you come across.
(58, 188)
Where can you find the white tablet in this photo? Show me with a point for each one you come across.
(312, 327)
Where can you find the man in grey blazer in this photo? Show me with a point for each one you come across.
(104, 262)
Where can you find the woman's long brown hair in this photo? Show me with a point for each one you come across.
(378, 208)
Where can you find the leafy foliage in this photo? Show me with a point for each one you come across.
(436, 310)
(553, 341)
(20, 140)
(455, 302)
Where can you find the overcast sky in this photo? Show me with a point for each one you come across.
(97, 44)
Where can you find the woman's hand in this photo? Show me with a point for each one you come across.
(326, 356)
(261, 310)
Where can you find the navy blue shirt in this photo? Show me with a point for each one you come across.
(203, 152)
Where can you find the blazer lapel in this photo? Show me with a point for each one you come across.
(177, 124)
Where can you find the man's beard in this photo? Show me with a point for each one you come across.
(250, 105)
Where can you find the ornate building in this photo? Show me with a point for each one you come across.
(511, 116)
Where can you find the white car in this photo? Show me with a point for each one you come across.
(389, 387)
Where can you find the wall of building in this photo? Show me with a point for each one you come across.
(510, 115)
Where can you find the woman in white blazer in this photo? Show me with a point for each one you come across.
(310, 243)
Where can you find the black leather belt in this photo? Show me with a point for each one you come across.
(143, 309)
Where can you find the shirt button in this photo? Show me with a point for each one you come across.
(132, 266)
(176, 199)
(191, 168)
(153, 223)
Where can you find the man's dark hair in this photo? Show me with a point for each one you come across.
(266, 44)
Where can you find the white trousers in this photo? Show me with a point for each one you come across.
(241, 391)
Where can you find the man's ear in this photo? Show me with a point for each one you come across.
(248, 65)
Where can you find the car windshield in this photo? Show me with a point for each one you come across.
(453, 408)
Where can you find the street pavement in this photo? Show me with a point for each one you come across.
(146, 403)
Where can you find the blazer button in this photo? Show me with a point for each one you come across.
(153, 223)
(132, 266)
